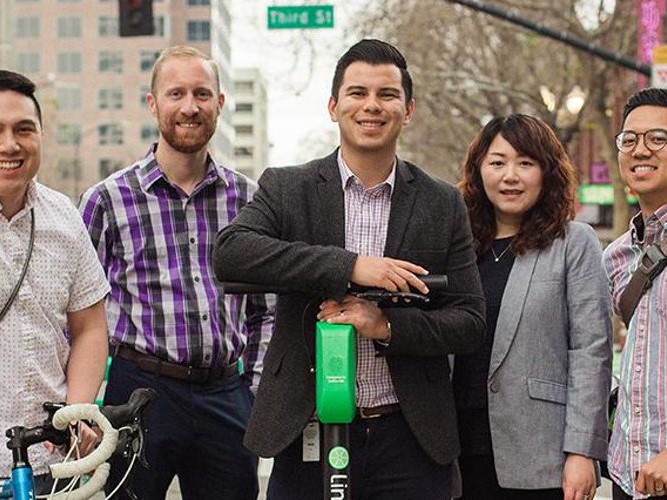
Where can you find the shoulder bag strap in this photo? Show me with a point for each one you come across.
(15, 291)
(652, 262)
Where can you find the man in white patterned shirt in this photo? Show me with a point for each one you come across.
(53, 334)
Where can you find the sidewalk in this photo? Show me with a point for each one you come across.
(264, 469)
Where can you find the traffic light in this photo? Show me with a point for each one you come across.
(135, 17)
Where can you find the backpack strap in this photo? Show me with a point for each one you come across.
(651, 264)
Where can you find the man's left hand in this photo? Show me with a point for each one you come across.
(367, 318)
(578, 478)
(652, 476)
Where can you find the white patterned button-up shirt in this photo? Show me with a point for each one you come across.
(64, 275)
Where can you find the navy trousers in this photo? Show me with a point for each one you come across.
(195, 431)
(387, 464)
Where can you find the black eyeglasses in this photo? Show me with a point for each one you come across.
(654, 140)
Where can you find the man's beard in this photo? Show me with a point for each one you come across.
(191, 142)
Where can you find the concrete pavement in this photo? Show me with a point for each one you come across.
(264, 469)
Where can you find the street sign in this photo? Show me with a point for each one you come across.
(599, 194)
(300, 17)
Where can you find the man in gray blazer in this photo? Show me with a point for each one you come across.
(361, 215)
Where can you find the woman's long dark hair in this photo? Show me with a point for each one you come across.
(555, 206)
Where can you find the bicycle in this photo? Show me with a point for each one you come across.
(122, 435)
(335, 375)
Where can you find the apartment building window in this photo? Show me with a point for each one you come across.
(244, 129)
(27, 62)
(147, 58)
(110, 62)
(149, 133)
(243, 152)
(107, 26)
(199, 31)
(244, 107)
(160, 26)
(69, 27)
(143, 90)
(110, 134)
(107, 166)
(70, 62)
(69, 168)
(69, 97)
(199, 2)
(244, 86)
(27, 27)
(110, 98)
(68, 133)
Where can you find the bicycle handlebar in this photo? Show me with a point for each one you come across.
(133, 409)
(435, 283)
(110, 419)
(104, 450)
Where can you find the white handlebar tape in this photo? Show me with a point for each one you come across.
(94, 484)
(75, 412)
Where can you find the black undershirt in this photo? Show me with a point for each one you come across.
(471, 370)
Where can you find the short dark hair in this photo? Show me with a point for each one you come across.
(645, 97)
(9, 80)
(374, 52)
(546, 221)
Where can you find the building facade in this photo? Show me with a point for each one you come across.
(92, 82)
(251, 148)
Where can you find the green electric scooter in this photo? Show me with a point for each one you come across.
(335, 370)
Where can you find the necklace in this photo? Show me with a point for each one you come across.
(497, 257)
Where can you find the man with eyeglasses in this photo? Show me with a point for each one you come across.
(638, 447)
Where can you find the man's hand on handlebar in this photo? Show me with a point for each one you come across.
(88, 439)
(388, 274)
(367, 318)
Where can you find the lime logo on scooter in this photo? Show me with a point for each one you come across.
(339, 458)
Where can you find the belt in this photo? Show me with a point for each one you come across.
(378, 411)
(194, 374)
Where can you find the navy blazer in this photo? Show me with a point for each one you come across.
(293, 234)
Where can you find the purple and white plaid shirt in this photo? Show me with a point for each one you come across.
(155, 244)
(366, 223)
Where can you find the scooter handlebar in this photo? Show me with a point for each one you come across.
(435, 283)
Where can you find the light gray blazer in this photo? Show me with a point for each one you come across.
(550, 370)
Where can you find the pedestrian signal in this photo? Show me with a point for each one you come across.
(135, 17)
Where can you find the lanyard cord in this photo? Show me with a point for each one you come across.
(15, 291)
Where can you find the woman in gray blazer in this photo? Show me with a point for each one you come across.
(531, 402)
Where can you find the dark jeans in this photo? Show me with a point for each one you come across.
(387, 464)
(618, 494)
(481, 483)
(195, 431)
